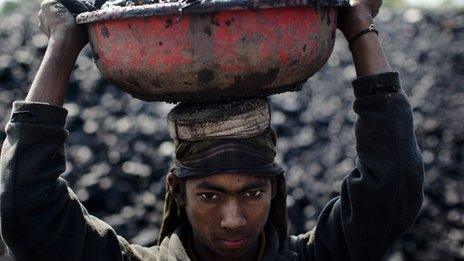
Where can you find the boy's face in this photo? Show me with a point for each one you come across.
(228, 212)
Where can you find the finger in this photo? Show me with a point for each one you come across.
(376, 7)
(59, 8)
(46, 4)
(49, 7)
(76, 7)
(375, 11)
(44, 29)
(43, 24)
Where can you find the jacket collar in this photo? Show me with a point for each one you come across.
(174, 246)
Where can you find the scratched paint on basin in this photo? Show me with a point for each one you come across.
(232, 54)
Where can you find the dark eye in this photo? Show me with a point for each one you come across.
(254, 193)
(208, 196)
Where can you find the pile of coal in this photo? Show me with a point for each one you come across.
(119, 149)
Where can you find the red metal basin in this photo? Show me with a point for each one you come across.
(211, 53)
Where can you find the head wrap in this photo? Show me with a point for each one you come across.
(249, 148)
(252, 156)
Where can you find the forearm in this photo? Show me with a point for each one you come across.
(368, 56)
(41, 218)
(367, 52)
(32, 160)
(51, 81)
(381, 197)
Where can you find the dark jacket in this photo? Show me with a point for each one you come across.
(42, 219)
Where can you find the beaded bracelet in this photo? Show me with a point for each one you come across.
(371, 28)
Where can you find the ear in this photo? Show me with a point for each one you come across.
(174, 185)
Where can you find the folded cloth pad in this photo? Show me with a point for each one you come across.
(242, 119)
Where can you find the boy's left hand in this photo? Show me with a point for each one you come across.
(357, 17)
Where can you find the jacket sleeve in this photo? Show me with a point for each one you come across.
(41, 218)
(381, 197)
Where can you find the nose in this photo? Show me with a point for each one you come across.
(233, 217)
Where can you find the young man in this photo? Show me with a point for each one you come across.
(226, 195)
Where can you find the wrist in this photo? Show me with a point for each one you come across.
(370, 29)
(67, 46)
(356, 22)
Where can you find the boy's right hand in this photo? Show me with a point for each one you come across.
(59, 24)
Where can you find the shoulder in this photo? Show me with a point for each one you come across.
(129, 252)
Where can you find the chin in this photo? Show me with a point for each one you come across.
(237, 251)
(232, 253)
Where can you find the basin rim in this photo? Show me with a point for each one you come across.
(200, 6)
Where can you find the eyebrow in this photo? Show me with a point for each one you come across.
(209, 186)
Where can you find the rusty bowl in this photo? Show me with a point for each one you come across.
(212, 50)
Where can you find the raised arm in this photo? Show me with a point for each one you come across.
(381, 197)
(66, 41)
(367, 52)
(41, 218)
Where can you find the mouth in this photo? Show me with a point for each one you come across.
(235, 243)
